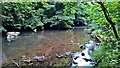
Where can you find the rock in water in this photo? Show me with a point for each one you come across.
(35, 30)
(39, 58)
(13, 33)
(67, 53)
(87, 53)
(60, 55)
(12, 36)
(91, 45)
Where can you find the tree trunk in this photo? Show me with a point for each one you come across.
(109, 19)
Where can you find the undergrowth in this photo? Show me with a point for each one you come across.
(109, 50)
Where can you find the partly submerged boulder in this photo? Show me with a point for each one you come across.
(12, 36)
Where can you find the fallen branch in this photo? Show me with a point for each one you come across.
(16, 64)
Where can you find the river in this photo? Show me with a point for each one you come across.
(47, 42)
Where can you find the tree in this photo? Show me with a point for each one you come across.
(106, 13)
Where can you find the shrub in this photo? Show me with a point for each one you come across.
(32, 15)
(21, 15)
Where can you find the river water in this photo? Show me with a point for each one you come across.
(43, 43)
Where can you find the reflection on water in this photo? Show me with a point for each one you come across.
(28, 42)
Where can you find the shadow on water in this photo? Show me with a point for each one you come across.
(31, 43)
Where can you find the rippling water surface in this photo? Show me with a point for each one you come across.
(31, 43)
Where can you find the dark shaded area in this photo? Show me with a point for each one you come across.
(78, 21)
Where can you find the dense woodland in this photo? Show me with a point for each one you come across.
(104, 17)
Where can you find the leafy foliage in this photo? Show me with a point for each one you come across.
(60, 22)
(109, 47)
(20, 15)
(23, 15)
